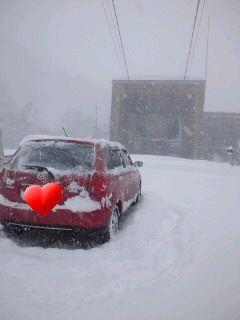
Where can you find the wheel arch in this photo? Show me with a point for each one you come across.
(120, 206)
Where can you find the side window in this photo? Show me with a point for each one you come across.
(126, 158)
(109, 159)
(116, 157)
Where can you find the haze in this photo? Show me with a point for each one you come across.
(58, 59)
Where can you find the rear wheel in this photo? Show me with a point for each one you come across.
(113, 227)
(114, 223)
(139, 194)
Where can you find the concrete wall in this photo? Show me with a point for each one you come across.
(158, 117)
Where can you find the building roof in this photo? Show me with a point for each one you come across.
(221, 114)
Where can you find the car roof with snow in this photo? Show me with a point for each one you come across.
(102, 142)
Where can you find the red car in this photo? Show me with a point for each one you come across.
(98, 179)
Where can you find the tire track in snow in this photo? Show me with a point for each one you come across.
(159, 233)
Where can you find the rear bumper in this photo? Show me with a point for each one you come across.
(47, 229)
(58, 219)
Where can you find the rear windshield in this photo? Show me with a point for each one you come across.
(62, 156)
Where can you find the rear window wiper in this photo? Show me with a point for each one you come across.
(40, 169)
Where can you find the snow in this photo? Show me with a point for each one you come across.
(102, 142)
(187, 130)
(128, 203)
(9, 152)
(106, 201)
(11, 204)
(176, 257)
(74, 187)
(9, 181)
(81, 202)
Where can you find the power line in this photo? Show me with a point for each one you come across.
(120, 37)
(196, 38)
(116, 33)
(118, 54)
(207, 49)
(190, 47)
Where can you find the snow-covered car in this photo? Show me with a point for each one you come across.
(98, 179)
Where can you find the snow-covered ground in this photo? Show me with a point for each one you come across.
(177, 256)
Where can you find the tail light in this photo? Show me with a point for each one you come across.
(98, 184)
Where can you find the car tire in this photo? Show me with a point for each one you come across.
(14, 231)
(113, 227)
(139, 194)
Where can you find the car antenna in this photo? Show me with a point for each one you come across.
(64, 131)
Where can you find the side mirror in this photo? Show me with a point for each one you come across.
(138, 163)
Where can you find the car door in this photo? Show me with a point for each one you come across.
(114, 166)
(133, 175)
(121, 175)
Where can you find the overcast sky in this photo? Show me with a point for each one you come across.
(59, 53)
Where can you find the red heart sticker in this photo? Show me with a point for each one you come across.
(43, 199)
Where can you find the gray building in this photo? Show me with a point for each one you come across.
(219, 131)
(166, 117)
(158, 116)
